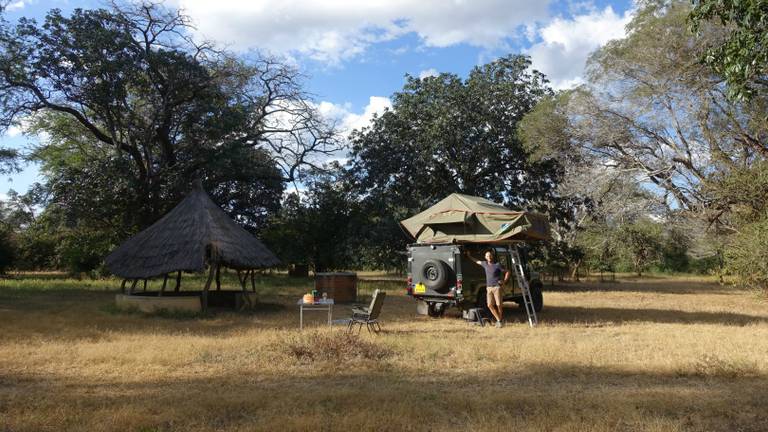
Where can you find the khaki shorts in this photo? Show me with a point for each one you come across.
(493, 295)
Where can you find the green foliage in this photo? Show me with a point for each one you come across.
(129, 122)
(7, 248)
(742, 56)
(82, 249)
(316, 227)
(743, 191)
(446, 134)
(554, 257)
(601, 247)
(747, 255)
(674, 251)
(36, 250)
(546, 131)
(642, 243)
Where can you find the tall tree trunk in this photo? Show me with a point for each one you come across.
(575, 272)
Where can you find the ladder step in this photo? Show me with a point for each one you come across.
(524, 287)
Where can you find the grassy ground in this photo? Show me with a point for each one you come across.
(656, 354)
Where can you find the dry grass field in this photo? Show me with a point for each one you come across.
(657, 354)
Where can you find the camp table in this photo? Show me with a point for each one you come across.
(322, 304)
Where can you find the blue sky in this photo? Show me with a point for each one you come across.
(356, 53)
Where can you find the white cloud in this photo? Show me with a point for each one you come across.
(348, 120)
(336, 30)
(13, 131)
(428, 73)
(566, 43)
(17, 5)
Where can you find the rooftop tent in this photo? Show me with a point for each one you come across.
(469, 219)
(192, 236)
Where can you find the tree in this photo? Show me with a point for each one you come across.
(8, 156)
(317, 226)
(445, 134)
(742, 56)
(747, 255)
(598, 196)
(652, 110)
(136, 108)
(641, 242)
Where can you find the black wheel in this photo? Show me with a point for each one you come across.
(435, 274)
(536, 296)
(435, 310)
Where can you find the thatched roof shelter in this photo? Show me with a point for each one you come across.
(192, 236)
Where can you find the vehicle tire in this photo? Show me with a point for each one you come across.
(536, 295)
(435, 274)
(435, 310)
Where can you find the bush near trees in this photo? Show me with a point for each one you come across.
(747, 255)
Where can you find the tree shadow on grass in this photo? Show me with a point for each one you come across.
(575, 314)
(346, 397)
(660, 286)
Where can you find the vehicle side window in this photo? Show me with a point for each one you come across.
(504, 261)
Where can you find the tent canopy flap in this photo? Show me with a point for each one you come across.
(468, 219)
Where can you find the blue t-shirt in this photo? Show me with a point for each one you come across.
(493, 272)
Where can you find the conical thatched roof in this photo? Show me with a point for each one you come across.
(195, 233)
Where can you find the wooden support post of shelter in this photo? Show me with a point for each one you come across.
(242, 278)
(122, 285)
(253, 280)
(204, 298)
(178, 282)
(218, 277)
(165, 282)
(133, 286)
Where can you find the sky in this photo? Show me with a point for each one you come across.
(356, 53)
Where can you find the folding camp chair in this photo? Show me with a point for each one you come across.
(368, 315)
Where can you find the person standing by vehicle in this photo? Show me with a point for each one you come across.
(494, 284)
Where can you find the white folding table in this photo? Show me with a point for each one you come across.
(320, 305)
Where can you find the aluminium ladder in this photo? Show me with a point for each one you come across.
(517, 264)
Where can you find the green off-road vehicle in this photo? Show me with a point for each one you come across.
(445, 275)
(453, 234)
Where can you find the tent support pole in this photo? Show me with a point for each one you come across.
(165, 282)
(218, 277)
(204, 299)
(178, 281)
(122, 286)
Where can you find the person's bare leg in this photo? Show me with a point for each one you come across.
(491, 301)
(495, 313)
(500, 304)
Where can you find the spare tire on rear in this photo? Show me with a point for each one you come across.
(435, 274)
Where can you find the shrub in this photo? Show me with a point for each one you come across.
(82, 250)
(746, 256)
(335, 348)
